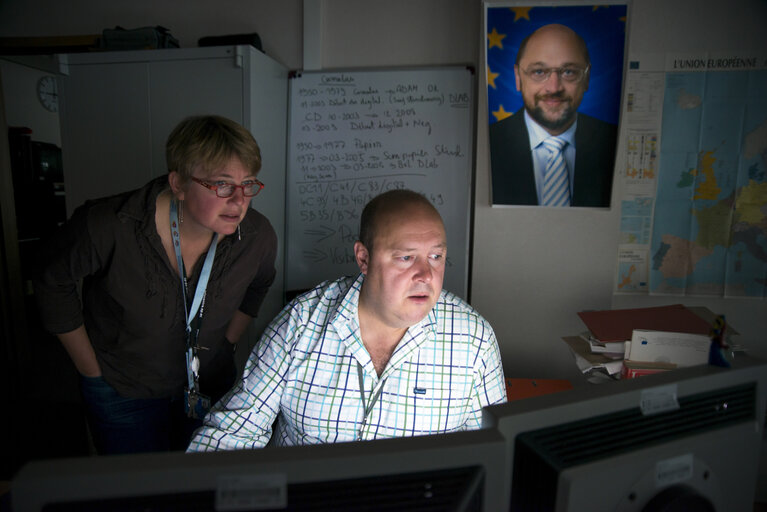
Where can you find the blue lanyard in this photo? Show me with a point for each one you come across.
(367, 407)
(198, 302)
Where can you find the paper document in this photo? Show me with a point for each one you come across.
(678, 348)
(588, 361)
(596, 346)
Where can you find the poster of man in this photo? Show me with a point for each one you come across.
(554, 77)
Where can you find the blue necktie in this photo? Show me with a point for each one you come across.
(556, 180)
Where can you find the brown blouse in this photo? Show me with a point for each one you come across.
(131, 301)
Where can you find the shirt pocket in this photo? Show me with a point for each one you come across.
(438, 409)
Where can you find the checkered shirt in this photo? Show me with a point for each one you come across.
(304, 374)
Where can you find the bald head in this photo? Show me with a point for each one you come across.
(554, 36)
(385, 207)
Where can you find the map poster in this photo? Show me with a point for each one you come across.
(709, 231)
(632, 270)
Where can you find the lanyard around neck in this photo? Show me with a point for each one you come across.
(202, 284)
(367, 406)
(192, 361)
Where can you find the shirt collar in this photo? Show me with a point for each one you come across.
(538, 134)
(140, 205)
(348, 310)
(345, 321)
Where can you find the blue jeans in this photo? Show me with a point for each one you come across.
(134, 425)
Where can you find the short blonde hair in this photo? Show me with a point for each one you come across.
(208, 143)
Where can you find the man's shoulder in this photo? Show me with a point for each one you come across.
(451, 306)
(319, 306)
(326, 294)
(457, 321)
(511, 123)
(594, 126)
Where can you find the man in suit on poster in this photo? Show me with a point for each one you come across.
(552, 73)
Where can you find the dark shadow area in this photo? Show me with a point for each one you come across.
(44, 416)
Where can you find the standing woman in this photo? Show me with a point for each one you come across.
(171, 276)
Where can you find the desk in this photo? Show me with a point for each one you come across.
(517, 389)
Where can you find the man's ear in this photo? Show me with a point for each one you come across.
(175, 181)
(517, 78)
(362, 256)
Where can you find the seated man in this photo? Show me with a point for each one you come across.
(385, 354)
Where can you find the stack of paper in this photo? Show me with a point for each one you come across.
(589, 362)
(638, 341)
(614, 349)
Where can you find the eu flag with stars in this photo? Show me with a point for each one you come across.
(603, 27)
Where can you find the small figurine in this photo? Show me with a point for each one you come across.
(718, 343)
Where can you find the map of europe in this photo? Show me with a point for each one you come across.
(709, 233)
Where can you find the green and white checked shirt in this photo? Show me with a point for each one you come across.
(304, 373)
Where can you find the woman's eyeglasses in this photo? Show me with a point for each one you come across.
(223, 189)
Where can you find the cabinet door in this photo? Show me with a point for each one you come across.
(105, 128)
(116, 117)
(182, 88)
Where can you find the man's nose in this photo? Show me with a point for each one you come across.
(423, 270)
(554, 81)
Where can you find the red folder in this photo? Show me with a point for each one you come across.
(618, 324)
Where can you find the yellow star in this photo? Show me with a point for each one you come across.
(495, 39)
(521, 12)
(501, 114)
(491, 77)
(594, 8)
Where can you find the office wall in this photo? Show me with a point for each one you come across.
(563, 261)
(533, 269)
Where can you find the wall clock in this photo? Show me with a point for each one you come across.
(47, 93)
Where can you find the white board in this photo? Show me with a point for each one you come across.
(355, 134)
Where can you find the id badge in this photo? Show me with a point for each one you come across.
(196, 405)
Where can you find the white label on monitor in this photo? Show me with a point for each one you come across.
(657, 400)
(672, 471)
(251, 492)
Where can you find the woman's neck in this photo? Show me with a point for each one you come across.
(194, 235)
(193, 241)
